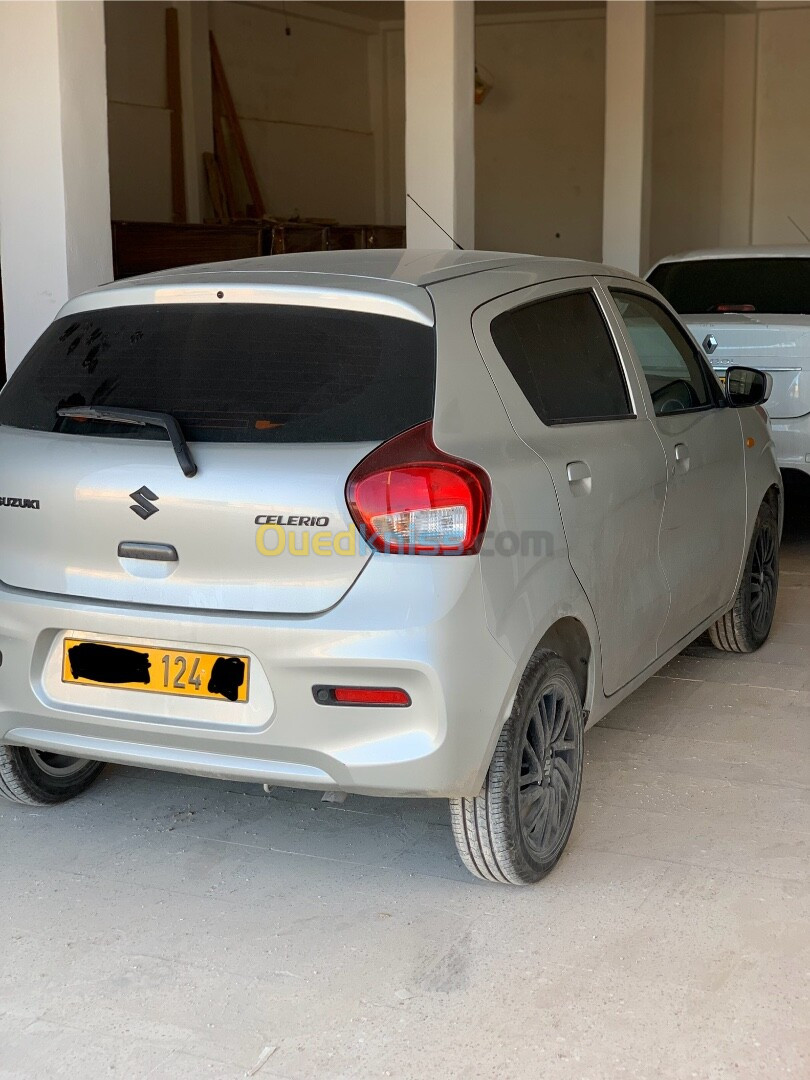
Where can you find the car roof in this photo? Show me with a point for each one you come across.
(387, 280)
(411, 266)
(757, 251)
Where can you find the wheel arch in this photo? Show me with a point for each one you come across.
(569, 638)
(773, 496)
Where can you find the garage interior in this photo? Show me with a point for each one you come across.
(730, 106)
(619, 133)
(171, 927)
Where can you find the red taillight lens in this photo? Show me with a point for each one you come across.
(410, 498)
(360, 695)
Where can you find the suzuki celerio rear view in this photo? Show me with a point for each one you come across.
(394, 523)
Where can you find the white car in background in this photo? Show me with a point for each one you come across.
(751, 306)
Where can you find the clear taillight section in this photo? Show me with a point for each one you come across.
(423, 528)
(410, 498)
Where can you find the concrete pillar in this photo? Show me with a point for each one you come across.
(378, 99)
(54, 170)
(439, 128)
(195, 85)
(739, 111)
(628, 130)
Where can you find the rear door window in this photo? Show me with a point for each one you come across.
(560, 352)
(776, 286)
(255, 373)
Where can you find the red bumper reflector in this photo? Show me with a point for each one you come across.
(360, 695)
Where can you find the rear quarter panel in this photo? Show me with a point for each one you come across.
(526, 577)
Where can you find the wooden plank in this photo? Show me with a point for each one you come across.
(216, 191)
(237, 135)
(175, 102)
(221, 153)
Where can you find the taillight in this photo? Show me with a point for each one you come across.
(410, 498)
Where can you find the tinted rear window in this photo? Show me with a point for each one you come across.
(773, 286)
(230, 373)
(562, 358)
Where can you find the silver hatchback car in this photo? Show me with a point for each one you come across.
(396, 523)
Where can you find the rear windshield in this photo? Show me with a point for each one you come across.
(230, 373)
(725, 286)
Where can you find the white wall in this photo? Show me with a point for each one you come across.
(782, 142)
(687, 147)
(393, 130)
(739, 111)
(732, 129)
(303, 100)
(540, 136)
(439, 124)
(718, 175)
(54, 204)
(138, 117)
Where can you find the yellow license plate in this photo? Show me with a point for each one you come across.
(156, 670)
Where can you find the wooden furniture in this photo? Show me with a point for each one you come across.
(140, 247)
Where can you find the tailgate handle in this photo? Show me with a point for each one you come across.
(136, 549)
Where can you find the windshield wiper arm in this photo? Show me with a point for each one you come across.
(139, 418)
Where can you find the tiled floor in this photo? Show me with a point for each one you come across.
(178, 929)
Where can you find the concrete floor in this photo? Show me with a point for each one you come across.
(178, 929)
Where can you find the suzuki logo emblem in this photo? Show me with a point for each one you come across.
(143, 502)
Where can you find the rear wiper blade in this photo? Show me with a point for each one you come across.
(139, 418)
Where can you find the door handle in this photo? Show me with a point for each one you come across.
(578, 470)
(579, 477)
(681, 457)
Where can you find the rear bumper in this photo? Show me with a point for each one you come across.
(792, 441)
(412, 622)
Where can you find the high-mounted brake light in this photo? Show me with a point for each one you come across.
(410, 498)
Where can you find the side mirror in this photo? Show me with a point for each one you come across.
(747, 386)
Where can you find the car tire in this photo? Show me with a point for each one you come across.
(516, 829)
(40, 778)
(746, 626)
